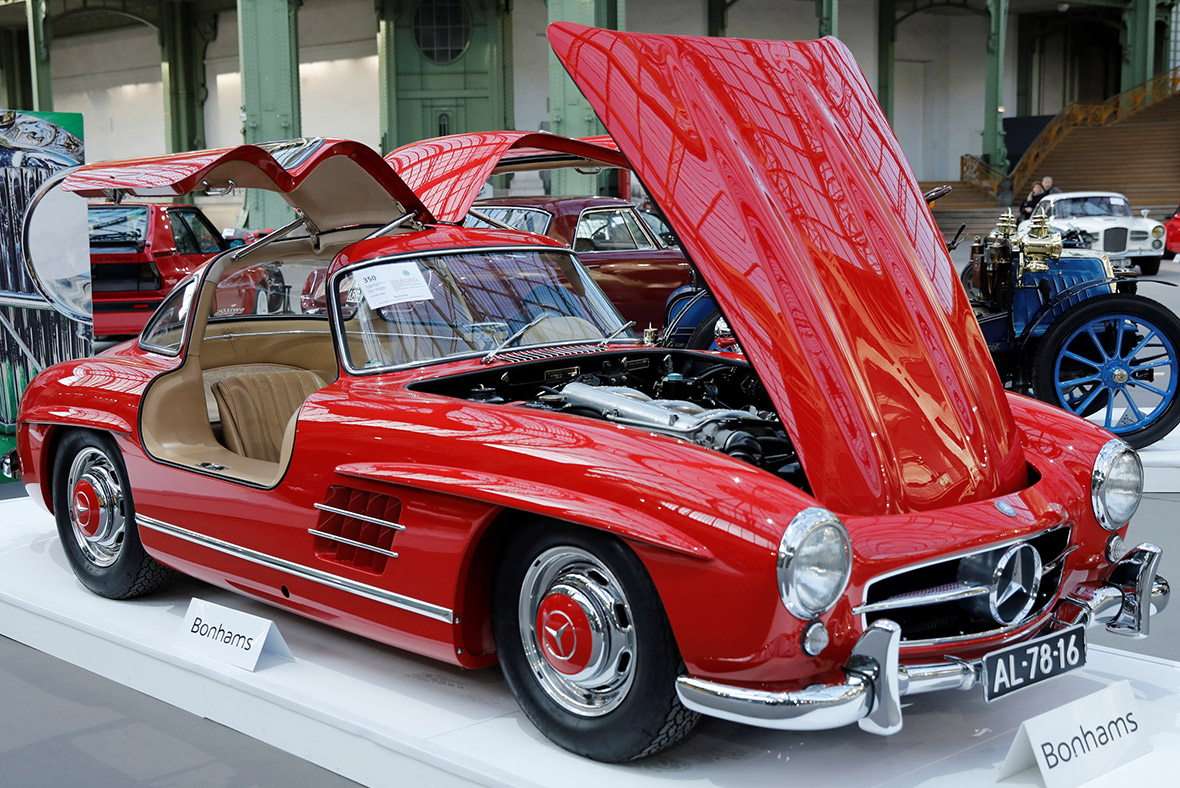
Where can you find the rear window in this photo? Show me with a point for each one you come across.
(530, 220)
(117, 223)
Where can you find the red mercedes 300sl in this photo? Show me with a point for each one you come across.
(470, 456)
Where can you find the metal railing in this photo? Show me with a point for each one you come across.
(978, 172)
(1075, 115)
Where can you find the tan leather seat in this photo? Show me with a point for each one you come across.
(255, 409)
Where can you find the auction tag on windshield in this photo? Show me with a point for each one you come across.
(393, 283)
(1081, 741)
(230, 635)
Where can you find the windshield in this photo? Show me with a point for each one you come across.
(1079, 207)
(122, 223)
(403, 312)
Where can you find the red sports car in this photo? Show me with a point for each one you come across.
(1172, 242)
(138, 253)
(471, 457)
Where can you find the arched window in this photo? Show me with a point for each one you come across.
(442, 30)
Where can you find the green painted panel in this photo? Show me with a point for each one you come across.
(450, 76)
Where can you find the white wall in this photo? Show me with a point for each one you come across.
(948, 54)
(530, 64)
(113, 78)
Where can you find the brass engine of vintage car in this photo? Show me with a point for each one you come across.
(1000, 261)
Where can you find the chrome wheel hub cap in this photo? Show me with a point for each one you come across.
(575, 625)
(96, 507)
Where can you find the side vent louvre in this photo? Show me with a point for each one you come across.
(356, 528)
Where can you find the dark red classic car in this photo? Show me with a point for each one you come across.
(632, 265)
(138, 253)
(470, 455)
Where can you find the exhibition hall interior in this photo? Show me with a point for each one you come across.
(551, 392)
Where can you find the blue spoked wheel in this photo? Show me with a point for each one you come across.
(1115, 357)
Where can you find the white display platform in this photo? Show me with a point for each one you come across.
(383, 717)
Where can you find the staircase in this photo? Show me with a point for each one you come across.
(966, 204)
(1127, 145)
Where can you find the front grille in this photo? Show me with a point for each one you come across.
(1114, 239)
(894, 596)
(1138, 235)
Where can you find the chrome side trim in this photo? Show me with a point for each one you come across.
(409, 604)
(950, 592)
(345, 513)
(353, 542)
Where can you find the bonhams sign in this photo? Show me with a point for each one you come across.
(230, 635)
(1080, 741)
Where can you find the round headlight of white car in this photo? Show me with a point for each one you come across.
(1116, 484)
(814, 563)
(1157, 231)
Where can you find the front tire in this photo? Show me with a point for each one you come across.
(585, 646)
(1114, 351)
(96, 519)
(1149, 266)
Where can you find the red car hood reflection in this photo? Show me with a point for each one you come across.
(779, 173)
(448, 172)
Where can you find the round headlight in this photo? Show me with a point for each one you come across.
(814, 563)
(1116, 484)
(1157, 231)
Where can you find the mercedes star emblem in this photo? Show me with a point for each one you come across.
(1015, 582)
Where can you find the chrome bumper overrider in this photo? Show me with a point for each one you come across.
(10, 464)
(875, 680)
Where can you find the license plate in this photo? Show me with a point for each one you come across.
(1031, 662)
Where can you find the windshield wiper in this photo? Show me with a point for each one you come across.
(491, 356)
(616, 332)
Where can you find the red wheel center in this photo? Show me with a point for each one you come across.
(86, 508)
(564, 634)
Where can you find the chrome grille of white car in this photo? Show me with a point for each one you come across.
(1114, 239)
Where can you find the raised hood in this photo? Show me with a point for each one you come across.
(781, 176)
(335, 183)
(448, 172)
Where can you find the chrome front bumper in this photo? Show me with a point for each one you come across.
(875, 680)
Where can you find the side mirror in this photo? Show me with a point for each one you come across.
(1144, 212)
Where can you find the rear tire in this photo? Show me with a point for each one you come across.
(705, 334)
(96, 519)
(607, 689)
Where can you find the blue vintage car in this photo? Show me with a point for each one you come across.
(1058, 321)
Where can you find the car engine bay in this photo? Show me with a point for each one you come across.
(715, 402)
